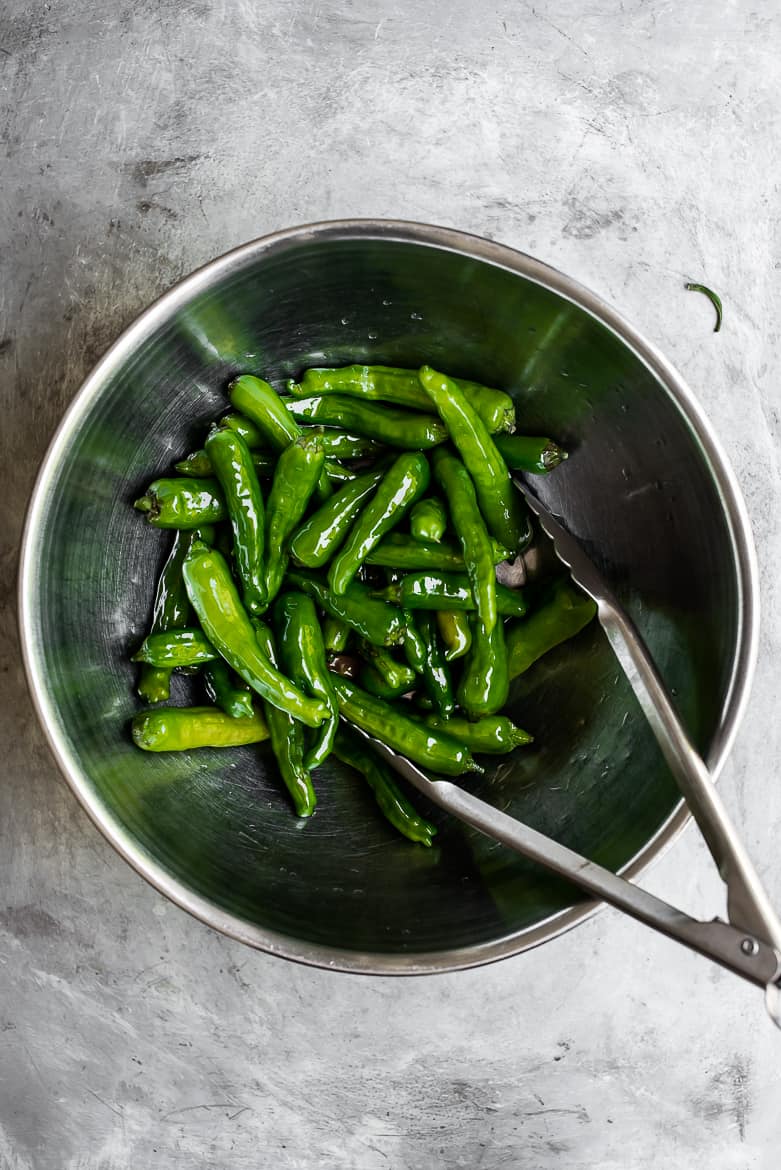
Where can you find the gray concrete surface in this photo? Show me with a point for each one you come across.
(635, 145)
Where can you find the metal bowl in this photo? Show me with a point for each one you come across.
(647, 489)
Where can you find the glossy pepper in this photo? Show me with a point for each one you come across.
(476, 545)
(287, 739)
(170, 611)
(302, 655)
(485, 682)
(182, 503)
(396, 428)
(374, 620)
(399, 552)
(336, 635)
(499, 500)
(259, 402)
(315, 542)
(493, 734)
(295, 479)
(391, 801)
(455, 632)
(339, 444)
(423, 745)
(436, 676)
(230, 457)
(530, 454)
(428, 521)
(173, 648)
(235, 701)
(402, 388)
(448, 591)
(215, 600)
(397, 676)
(180, 729)
(414, 646)
(403, 483)
(198, 464)
(562, 615)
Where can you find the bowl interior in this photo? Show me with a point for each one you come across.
(214, 828)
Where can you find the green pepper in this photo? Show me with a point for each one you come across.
(336, 634)
(397, 676)
(493, 734)
(295, 479)
(170, 611)
(340, 444)
(396, 428)
(243, 426)
(448, 591)
(436, 676)
(173, 648)
(232, 463)
(428, 521)
(199, 464)
(372, 681)
(423, 745)
(562, 615)
(302, 654)
(527, 453)
(485, 682)
(235, 701)
(316, 540)
(414, 646)
(476, 544)
(402, 484)
(402, 388)
(287, 739)
(180, 729)
(455, 632)
(499, 500)
(215, 600)
(400, 552)
(390, 799)
(263, 406)
(182, 503)
(378, 622)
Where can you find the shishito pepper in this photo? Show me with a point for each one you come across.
(182, 503)
(396, 676)
(428, 521)
(436, 676)
(485, 682)
(396, 428)
(215, 600)
(472, 533)
(562, 615)
(235, 701)
(493, 734)
(296, 477)
(175, 648)
(455, 632)
(180, 729)
(317, 540)
(287, 739)
(396, 551)
(378, 622)
(423, 745)
(403, 483)
(302, 655)
(528, 453)
(230, 457)
(390, 799)
(448, 591)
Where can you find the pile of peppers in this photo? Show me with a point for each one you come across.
(334, 563)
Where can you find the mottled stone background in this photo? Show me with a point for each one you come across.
(634, 145)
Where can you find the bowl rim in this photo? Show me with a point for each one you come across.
(497, 255)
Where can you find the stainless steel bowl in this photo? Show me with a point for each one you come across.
(647, 489)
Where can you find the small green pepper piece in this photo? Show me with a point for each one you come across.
(436, 676)
(455, 632)
(339, 444)
(476, 544)
(317, 540)
(243, 426)
(428, 521)
(215, 600)
(182, 503)
(232, 463)
(528, 453)
(390, 799)
(372, 681)
(402, 388)
(336, 635)
(199, 464)
(181, 729)
(403, 483)
(414, 645)
(172, 648)
(262, 405)
(287, 739)
(448, 591)
(399, 552)
(296, 477)
(485, 682)
(397, 675)
(396, 428)
(302, 654)
(374, 620)
(219, 686)
(561, 616)
(493, 734)
(423, 745)
(499, 500)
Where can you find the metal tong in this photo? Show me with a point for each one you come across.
(749, 942)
